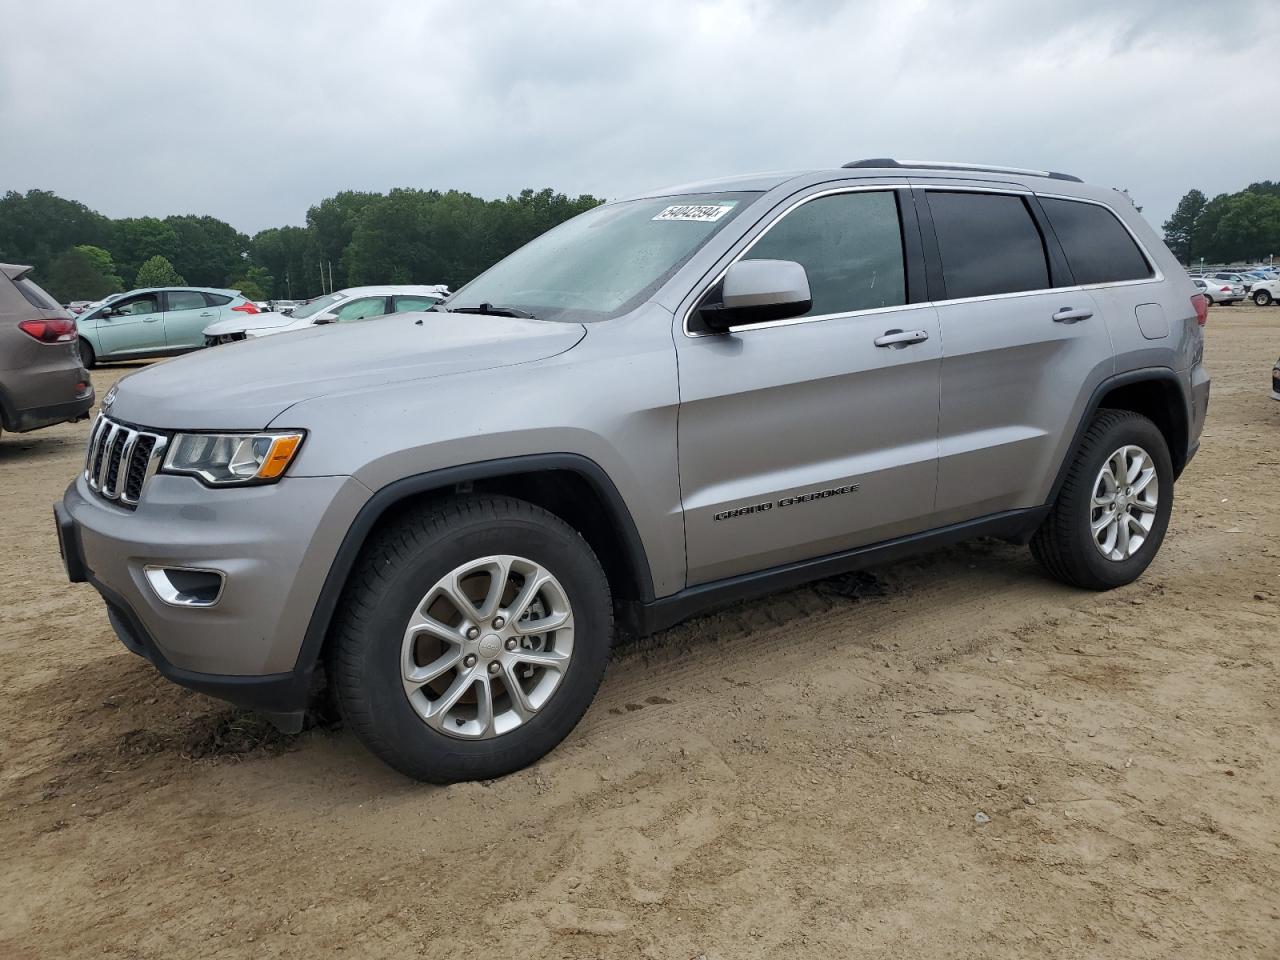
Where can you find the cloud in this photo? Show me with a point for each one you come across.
(253, 111)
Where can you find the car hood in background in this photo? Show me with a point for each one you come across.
(245, 385)
(240, 321)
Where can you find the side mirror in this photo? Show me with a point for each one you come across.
(324, 318)
(757, 291)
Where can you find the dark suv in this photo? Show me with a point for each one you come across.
(42, 381)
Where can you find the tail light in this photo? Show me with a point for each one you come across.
(1201, 303)
(57, 330)
(245, 308)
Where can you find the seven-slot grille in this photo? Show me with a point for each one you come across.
(121, 460)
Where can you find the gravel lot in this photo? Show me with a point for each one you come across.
(793, 777)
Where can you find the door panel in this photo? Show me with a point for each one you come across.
(185, 317)
(813, 411)
(1020, 357)
(134, 326)
(1012, 379)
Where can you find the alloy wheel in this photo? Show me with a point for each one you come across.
(487, 647)
(1123, 506)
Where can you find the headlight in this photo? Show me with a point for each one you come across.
(223, 459)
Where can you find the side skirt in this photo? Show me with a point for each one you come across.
(641, 619)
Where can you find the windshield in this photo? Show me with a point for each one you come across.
(318, 305)
(604, 262)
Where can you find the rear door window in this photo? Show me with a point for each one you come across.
(850, 245)
(989, 244)
(184, 300)
(1098, 247)
(361, 309)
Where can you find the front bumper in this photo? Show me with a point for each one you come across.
(274, 544)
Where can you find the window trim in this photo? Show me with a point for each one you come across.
(906, 224)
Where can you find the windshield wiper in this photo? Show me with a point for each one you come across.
(492, 310)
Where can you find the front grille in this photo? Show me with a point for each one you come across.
(121, 459)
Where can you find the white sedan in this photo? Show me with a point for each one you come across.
(342, 306)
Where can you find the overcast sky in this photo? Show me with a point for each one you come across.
(253, 111)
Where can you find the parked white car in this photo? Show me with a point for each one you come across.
(342, 306)
(1266, 292)
(1219, 291)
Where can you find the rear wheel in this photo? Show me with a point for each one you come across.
(1113, 510)
(1263, 298)
(471, 639)
(87, 356)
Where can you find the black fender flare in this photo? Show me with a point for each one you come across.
(1163, 374)
(399, 490)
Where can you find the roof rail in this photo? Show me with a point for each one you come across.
(947, 165)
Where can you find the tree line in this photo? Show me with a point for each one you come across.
(403, 236)
(1230, 228)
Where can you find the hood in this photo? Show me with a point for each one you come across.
(239, 322)
(245, 385)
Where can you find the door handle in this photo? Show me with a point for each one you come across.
(206, 314)
(150, 319)
(901, 338)
(1072, 315)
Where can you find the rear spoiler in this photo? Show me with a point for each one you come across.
(13, 271)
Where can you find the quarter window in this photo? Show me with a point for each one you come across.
(407, 304)
(850, 245)
(989, 244)
(216, 299)
(1098, 247)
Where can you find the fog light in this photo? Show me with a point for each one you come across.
(186, 586)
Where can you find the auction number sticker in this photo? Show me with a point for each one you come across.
(696, 212)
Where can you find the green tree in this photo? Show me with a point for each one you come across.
(1180, 228)
(38, 226)
(1249, 227)
(82, 273)
(206, 250)
(284, 252)
(330, 224)
(135, 240)
(256, 284)
(158, 272)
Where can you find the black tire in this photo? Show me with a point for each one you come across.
(1263, 298)
(1063, 544)
(396, 569)
(87, 356)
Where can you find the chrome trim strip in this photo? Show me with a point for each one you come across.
(95, 438)
(946, 188)
(110, 440)
(158, 579)
(122, 471)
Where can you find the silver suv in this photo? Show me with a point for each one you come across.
(672, 401)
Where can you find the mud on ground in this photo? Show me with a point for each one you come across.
(797, 776)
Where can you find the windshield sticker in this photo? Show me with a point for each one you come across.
(696, 212)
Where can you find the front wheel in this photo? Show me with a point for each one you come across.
(472, 637)
(1112, 512)
(87, 356)
(1263, 298)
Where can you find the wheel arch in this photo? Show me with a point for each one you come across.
(1157, 393)
(573, 487)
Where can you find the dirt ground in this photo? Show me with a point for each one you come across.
(797, 776)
